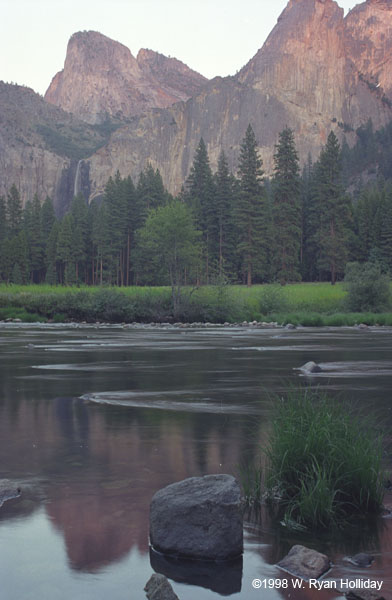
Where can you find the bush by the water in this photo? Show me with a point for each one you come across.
(323, 462)
(367, 288)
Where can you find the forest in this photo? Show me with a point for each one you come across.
(223, 227)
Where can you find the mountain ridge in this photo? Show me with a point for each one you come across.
(318, 70)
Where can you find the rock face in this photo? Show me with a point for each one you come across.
(317, 71)
(307, 75)
(41, 146)
(368, 29)
(198, 518)
(158, 588)
(305, 563)
(102, 79)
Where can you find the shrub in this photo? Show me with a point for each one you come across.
(272, 299)
(322, 461)
(367, 288)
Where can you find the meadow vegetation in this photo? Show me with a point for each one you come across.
(312, 304)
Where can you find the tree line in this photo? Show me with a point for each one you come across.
(241, 228)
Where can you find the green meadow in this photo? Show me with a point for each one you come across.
(308, 304)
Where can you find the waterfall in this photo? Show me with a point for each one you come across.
(78, 176)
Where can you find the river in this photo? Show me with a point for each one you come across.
(94, 420)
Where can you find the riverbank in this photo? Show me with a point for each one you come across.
(309, 304)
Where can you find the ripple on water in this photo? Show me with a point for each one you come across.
(162, 401)
(353, 369)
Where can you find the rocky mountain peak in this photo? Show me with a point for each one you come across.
(173, 75)
(101, 79)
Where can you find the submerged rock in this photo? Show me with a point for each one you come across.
(305, 563)
(8, 491)
(198, 518)
(311, 367)
(361, 560)
(158, 588)
(361, 594)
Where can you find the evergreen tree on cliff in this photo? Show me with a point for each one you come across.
(251, 210)
(334, 210)
(287, 208)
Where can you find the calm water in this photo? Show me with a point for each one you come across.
(94, 421)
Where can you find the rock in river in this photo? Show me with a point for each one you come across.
(158, 588)
(198, 518)
(361, 560)
(311, 367)
(364, 595)
(8, 490)
(305, 563)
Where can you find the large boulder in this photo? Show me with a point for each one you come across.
(305, 563)
(200, 518)
(8, 491)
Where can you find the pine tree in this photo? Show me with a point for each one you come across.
(101, 243)
(51, 255)
(65, 251)
(14, 211)
(35, 241)
(223, 202)
(136, 215)
(199, 195)
(3, 222)
(286, 207)
(20, 258)
(117, 209)
(47, 217)
(385, 242)
(333, 205)
(80, 235)
(150, 189)
(251, 210)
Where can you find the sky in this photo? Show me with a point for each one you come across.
(214, 37)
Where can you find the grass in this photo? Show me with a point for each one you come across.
(307, 304)
(323, 462)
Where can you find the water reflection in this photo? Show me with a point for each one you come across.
(225, 578)
(90, 469)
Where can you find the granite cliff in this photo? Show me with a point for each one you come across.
(308, 75)
(317, 71)
(102, 79)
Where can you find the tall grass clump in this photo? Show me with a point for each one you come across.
(323, 463)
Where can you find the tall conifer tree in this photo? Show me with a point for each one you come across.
(333, 205)
(251, 210)
(286, 207)
(199, 196)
